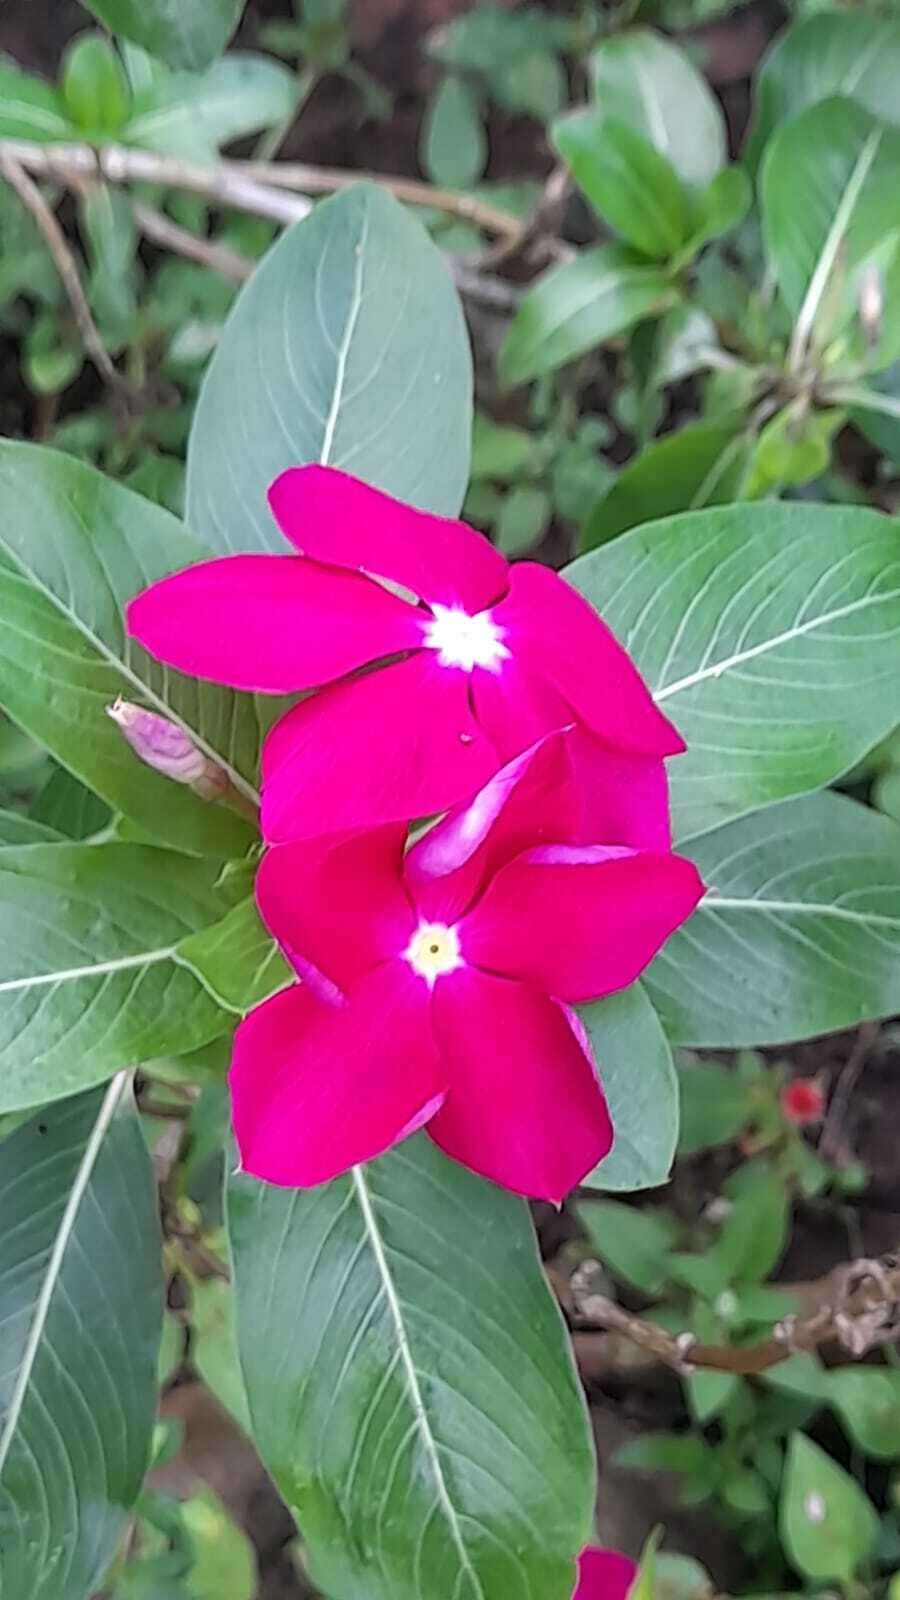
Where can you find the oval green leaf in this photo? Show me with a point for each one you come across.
(192, 114)
(646, 81)
(454, 144)
(347, 347)
(639, 1081)
(184, 33)
(828, 1524)
(626, 180)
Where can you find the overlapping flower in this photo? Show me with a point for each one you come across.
(435, 982)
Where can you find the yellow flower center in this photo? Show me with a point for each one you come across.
(434, 951)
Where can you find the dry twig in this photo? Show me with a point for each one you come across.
(830, 1139)
(161, 230)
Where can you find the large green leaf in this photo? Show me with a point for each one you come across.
(638, 1076)
(799, 932)
(185, 33)
(74, 547)
(845, 164)
(701, 465)
(850, 53)
(70, 809)
(192, 114)
(90, 974)
(642, 78)
(347, 347)
(769, 634)
(81, 1310)
(578, 305)
(422, 1418)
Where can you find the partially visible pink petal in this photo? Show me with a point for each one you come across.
(558, 637)
(338, 904)
(516, 706)
(604, 1575)
(397, 743)
(270, 624)
(316, 1089)
(524, 1106)
(529, 801)
(336, 518)
(580, 921)
(624, 799)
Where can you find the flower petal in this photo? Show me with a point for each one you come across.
(580, 921)
(336, 518)
(558, 637)
(270, 624)
(316, 1088)
(604, 1575)
(524, 1105)
(339, 906)
(397, 743)
(624, 798)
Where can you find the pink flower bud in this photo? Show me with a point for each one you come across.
(802, 1101)
(168, 749)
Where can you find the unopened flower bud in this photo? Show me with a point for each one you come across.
(166, 748)
(802, 1101)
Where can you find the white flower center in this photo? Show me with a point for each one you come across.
(433, 951)
(463, 640)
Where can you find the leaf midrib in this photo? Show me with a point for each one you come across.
(875, 919)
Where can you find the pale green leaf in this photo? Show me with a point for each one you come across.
(828, 1524)
(185, 33)
(638, 1077)
(649, 83)
(193, 114)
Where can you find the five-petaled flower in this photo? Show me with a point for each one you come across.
(476, 660)
(437, 985)
(604, 1575)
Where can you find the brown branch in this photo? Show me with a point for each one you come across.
(858, 1308)
(829, 1146)
(64, 261)
(161, 230)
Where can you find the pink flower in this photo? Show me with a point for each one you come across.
(476, 661)
(802, 1101)
(604, 1575)
(437, 986)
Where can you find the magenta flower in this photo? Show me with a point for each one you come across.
(476, 661)
(604, 1575)
(437, 985)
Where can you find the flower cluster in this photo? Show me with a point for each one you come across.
(437, 979)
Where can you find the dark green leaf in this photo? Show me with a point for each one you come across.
(184, 33)
(71, 810)
(81, 1309)
(454, 143)
(702, 464)
(828, 1524)
(634, 1244)
(646, 81)
(31, 109)
(238, 961)
(422, 1415)
(89, 966)
(630, 184)
(719, 207)
(799, 933)
(669, 1452)
(716, 1106)
(787, 673)
(635, 1065)
(192, 114)
(332, 322)
(15, 828)
(710, 1392)
(580, 304)
(802, 1374)
(94, 87)
(746, 1492)
(74, 548)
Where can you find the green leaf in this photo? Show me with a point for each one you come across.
(89, 967)
(716, 1105)
(647, 82)
(846, 165)
(501, 452)
(15, 828)
(237, 959)
(641, 1088)
(107, 220)
(523, 517)
(703, 464)
(792, 448)
(94, 88)
(626, 180)
(192, 114)
(634, 1244)
(332, 322)
(213, 1347)
(71, 810)
(184, 33)
(423, 1415)
(828, 1524)
(747, 1493)
(81, 1309)
(753, 1234)
(719, 207)
(578, 305)
(867, 1400)
(74, 548)
(31, 109)
(769, 634)
(665, 1452)
(454, 144)
(710, 1392)
(801, 1374)
(224, 1565)
(855, 54)
(799, 933)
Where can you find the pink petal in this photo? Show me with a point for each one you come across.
(624, 799)
(316, 1089)
(336, 518)
(558, 637)
(516, 706)
(397, 743)
(270, 624)
(524, 1105)
(580, 921)
(604, 1575)
(339, 906)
